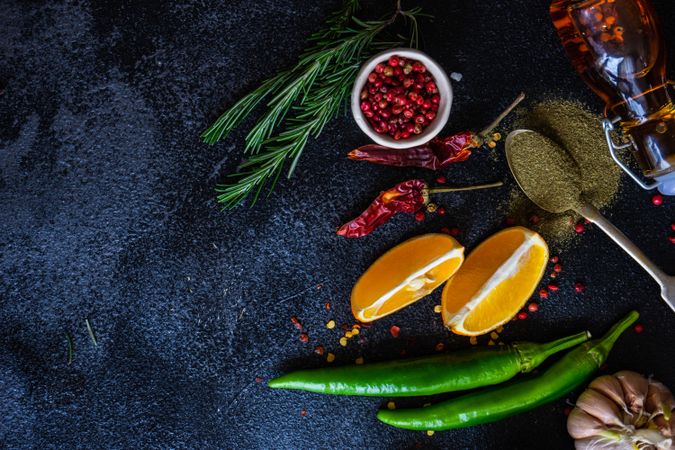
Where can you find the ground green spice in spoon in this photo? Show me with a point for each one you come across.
(578, 131)
(545, 171)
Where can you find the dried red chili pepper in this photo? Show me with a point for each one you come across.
(409, 196)
(435, 154)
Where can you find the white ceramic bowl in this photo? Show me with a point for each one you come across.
(444, 90)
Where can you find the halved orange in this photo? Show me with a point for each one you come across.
(405, 274)
(495, 281)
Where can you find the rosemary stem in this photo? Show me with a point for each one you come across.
(465, 188)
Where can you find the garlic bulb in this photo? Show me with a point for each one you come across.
(624, 411)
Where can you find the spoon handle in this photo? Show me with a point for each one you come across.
(666, 282)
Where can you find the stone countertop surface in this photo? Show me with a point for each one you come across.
(108, 213)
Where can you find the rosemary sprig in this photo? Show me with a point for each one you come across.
(231, 118)
(314, 90)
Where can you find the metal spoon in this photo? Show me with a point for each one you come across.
(591, 213)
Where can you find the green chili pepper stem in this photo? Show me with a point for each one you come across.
(533, 354)
(499, 402)
(449, 372)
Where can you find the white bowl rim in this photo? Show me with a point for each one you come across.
(444, 107)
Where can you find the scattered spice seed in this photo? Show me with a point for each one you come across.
(348, 334)
(319, 350)
(304, 338)
(491, 342)
(391, 405)
(500, 329)
(553, 275)
(355, 331)
(419, 216)
(441, 211)
(303, 413)
(672, 226)
(258, 379)
(359, 360)
(394, 330)
(473, 340)
(555, 259)
(579, 287)
(639, 328)
(657, 199)
(69, 343)
(553, 287)
(90, 330)
(440, 347)
(441, 179)
(533, 307)
(343, 341)
(430, 432)
(557, 268)
(438, 309)
(330, 357)
(296, 323)
(579, 228)
(543, 293)
(327, 306)
(494, 335)
(671, 239)
(330, 325)
(522, 315)
(432, 207)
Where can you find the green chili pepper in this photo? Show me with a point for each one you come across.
(490, 405)
(466, 369)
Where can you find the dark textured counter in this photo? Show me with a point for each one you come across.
(108, 213)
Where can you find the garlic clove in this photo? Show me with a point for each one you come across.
(601, 407)
(659, 400)
(610, 387)
(635, 388)
(603, 443)
(581, 425)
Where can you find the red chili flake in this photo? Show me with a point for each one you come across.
(533, 307)
(319, 286)
(672, 226)
(579, 287)
(303, 412)
(639, 328)
(319, 350)
(555, 259)
(394, 330)
(567, 411)
(671, 239)
(441, 211)
(535, 220)
(657, 199)
(579, 228)
(258, 379)
(296, 323)
(454, 231)
(553, 287)
(557, 268)
(304, 337)
(510, 221)
(445, 230)
(441, 180)
(440, 347)
(419, 216)
(327, 306)
(543, 293)
(553, 275)
(522, 315)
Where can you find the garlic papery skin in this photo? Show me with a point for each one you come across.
(624, 411)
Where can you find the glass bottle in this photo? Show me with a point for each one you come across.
(618, 49)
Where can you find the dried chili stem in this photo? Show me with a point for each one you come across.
(466, 188)
(487, 130)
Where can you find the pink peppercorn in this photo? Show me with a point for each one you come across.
(522, 315)
(657, 199)
(419, 216)
(533, 307)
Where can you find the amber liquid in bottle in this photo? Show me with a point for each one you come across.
(617, 47)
